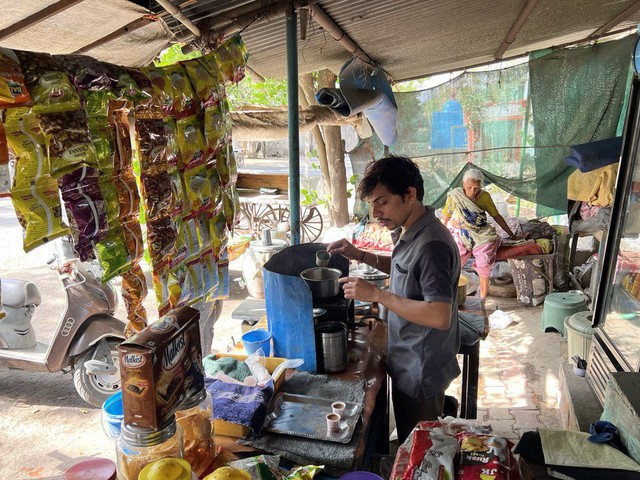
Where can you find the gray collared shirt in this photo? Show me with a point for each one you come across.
(425, 265)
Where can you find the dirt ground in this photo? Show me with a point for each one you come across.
(46, 427)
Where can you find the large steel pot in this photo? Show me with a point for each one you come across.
(322, 281)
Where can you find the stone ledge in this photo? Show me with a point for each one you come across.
(579, 406)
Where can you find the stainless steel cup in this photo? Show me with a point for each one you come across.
(331, 346)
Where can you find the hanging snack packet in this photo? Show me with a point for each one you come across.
(223, 275)
(134, 291)
(37, 206)
(196, 186)
(68, 141)
(127, 190)
(217, 126)
(26, 139)
(160, 279)
(87, 73)
(172, 152)
(210, 279)
(133, 238)
(219, 237)
(178, 284)
(206, 78)
(85, 203)
(223, 167)
(113, 255)
(190, 235)
(13, 90)
(233, 59)
(158, 193)
(152, 144)
(183, 96)
(122, 159)
(133, 84)
(49, 85)
(230, 205)
(191, 142)
(205, 240)
(161, 89)
(194, 270)
(111, 203)
(161, 238)
(215, 187)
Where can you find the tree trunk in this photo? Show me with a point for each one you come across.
(338, 208)
(306, 98)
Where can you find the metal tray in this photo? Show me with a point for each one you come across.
(304, 416)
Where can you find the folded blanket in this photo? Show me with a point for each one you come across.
(590, 156)
(239, 403)
(227, 365)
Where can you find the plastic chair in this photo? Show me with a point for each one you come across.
(557, 307)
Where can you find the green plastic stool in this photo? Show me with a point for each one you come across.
(557, 307)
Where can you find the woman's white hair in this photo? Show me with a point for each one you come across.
(473, 174)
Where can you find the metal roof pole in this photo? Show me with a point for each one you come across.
(294, 139)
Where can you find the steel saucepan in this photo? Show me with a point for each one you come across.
(322, 281)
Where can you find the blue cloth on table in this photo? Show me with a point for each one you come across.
(239, 403)
(590, 156)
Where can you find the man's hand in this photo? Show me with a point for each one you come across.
(344, 247)
(359, 289)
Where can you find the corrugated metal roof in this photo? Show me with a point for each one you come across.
(414, 38)
(408, 38)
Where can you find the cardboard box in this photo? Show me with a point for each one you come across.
(229, 429)
(161, 367)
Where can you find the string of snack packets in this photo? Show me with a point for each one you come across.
(77, 126)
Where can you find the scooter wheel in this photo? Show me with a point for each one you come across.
(95, 389)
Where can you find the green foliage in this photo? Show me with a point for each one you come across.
(270, 93)
(173, 54)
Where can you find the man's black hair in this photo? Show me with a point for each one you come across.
(396, 173)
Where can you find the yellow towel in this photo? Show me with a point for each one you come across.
(595, 187)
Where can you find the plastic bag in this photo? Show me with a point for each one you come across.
(261, 467)
(499, 320)
(49, 85)
(431, 456)
(13, 90)
(39, 211)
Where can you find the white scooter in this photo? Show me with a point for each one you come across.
(86, 336)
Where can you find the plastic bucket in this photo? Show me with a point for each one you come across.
(255, 339)
(360, 475)
(112, 415)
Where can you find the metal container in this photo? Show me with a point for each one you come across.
(331, 346)
(322, 281)
(378, 278)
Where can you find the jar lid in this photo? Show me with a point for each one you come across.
(147, 437)
(195, 400)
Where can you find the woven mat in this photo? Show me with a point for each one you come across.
(336, 457)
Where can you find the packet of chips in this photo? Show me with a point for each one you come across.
(134, 291)
(133, 238)
(158, 193)
(196, 186)
(113, 255)
(205, 239)
(26, 139)
(37, 206)
(219, 237)
(84, 201)
(190, 235)
(161, 239)
(87, 73)
(210, 278)
(223, 275)
(152, 144)
(162, 92)
(133, 84)
(127, 191)
(217, 126)
(233, 59)
(68, 141)
(13, 90)
(183, 96)
(206, 78)
(215, 186)
(111, 203)
(191, 142)
(124, 154)
(160, 280)
(49, 85)
(230, 205)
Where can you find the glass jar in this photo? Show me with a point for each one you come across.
(196, 422)
(138, 446)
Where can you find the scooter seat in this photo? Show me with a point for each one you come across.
(19, 293)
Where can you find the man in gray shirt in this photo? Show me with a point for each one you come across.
(423, 330)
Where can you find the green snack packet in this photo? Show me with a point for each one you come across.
(113, 255)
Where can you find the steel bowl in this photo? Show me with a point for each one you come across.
(322, 281)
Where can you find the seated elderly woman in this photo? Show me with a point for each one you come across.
(465, 213)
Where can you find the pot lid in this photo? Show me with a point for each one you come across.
(275, 247)
(374, 275)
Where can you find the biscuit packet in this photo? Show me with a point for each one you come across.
(13, 90)
(48, 83)
(39, 212)
(26, 139)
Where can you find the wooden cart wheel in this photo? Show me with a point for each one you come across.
(310, 224)
(250, 217)
(243, 222)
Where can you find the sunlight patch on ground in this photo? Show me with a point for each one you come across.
(551, 388)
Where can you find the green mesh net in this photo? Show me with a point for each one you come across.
(515, 124)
